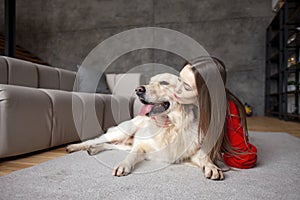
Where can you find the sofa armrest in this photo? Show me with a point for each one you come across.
(25, 120)
(3, 71)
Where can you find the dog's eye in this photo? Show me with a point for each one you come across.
(163, 83)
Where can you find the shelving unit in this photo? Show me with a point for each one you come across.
(283, 63)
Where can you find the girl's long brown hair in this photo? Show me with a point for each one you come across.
(222, 144)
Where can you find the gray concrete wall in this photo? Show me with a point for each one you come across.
(63, 32)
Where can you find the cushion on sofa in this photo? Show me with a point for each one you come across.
(3, 71)
(48, 77)
(91, 80)
(116, 110)
(91, 115)
(63, 125)
(66, 79)
(76, 116)
(22, 73)
(25, 120)
(124, 84)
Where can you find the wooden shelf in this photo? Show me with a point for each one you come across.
(295, 43)
(294, 68)
(292, 92)
(294, 16)
(277, 99)
(274, 56)
(273, 94)
(274, 76)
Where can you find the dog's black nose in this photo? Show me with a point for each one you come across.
(140, 90)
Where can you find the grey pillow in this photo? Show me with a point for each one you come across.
(88, 80)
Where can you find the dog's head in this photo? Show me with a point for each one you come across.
(158, 96)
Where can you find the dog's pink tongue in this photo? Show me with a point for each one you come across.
(146, 109)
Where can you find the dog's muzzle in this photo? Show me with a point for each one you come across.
(150, 108)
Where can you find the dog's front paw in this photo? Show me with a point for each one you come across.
(122, 170)
(211, 171)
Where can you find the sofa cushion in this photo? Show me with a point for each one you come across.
(111, 81)
(72, 116)
(66, 79)
(63, 125)
(91, 80)
(116, 110)
(48, 77)
(3, 70)
(25, 120)
(124, 84)
(91, 115)
(22, 73)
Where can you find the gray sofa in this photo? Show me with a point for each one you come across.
(40, 110)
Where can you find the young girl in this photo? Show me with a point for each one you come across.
(231, 144)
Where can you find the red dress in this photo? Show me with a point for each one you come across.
(248, 157)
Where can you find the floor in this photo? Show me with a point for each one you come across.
(270, 124)
(265, 124)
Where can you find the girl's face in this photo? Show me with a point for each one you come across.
(186, 90)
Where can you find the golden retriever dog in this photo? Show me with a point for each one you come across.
(176, 143)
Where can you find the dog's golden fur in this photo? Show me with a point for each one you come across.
(177, 142)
